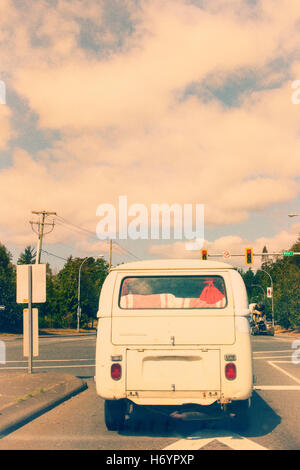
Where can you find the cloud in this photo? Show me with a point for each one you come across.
(126, 122)
(180, 44)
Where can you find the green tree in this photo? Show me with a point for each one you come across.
(265, 257)
(285, 273)
(28, 256)
(286, 278)
(11, 317)
(296, 248)
(47, 309)
(64, 296)
(248, 277)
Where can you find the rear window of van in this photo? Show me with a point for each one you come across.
(171, 292)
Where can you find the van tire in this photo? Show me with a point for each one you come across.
(114, 414)
(241, 420)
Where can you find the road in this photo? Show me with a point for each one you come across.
(79, 422)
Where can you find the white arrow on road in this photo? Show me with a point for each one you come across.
(196, 442)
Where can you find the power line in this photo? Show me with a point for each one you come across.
(126, 250)
(62, 219)
(52, 254)
(64, 223)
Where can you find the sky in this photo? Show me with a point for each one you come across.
(161, 101)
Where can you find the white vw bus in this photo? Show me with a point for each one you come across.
(174, 335)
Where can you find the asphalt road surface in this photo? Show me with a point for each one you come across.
(79, 422)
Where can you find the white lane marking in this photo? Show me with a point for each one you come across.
(47, 367)
(50, 360)
(272, 363)
(267, 352)
(234, 441)
(240, 443)
(187, 444)
(271, 357)
(277, 387)
(288, 339)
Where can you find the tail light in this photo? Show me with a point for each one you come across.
(116, 371)
(230, 371)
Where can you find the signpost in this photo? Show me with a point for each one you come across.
(31, 288)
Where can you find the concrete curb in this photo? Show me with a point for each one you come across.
(20, 337)
(16, 415)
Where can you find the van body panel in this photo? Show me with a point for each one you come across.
(175, 331)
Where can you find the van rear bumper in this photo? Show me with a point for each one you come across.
(175, 398)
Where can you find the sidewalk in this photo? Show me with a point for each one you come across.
(24, 396)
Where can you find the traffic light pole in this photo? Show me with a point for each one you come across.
(220, 255)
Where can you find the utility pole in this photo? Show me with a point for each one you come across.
(41, 224)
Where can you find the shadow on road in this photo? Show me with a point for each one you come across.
(263, 418)
(263, 421)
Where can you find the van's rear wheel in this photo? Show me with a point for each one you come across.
(114, 414)
(241, 411)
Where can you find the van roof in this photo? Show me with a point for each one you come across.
(172, 264)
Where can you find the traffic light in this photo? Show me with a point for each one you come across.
(204, 254)
(249, 255)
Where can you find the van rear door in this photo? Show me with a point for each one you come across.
(170, 370)
(176, 310)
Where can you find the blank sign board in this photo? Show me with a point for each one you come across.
(38, 283)
(35, 332)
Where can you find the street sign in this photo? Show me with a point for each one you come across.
(269, 292)
(38, 283)
(35, 332)
(287, 253)
(226, 254)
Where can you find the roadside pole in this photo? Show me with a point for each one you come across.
(30, 318)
